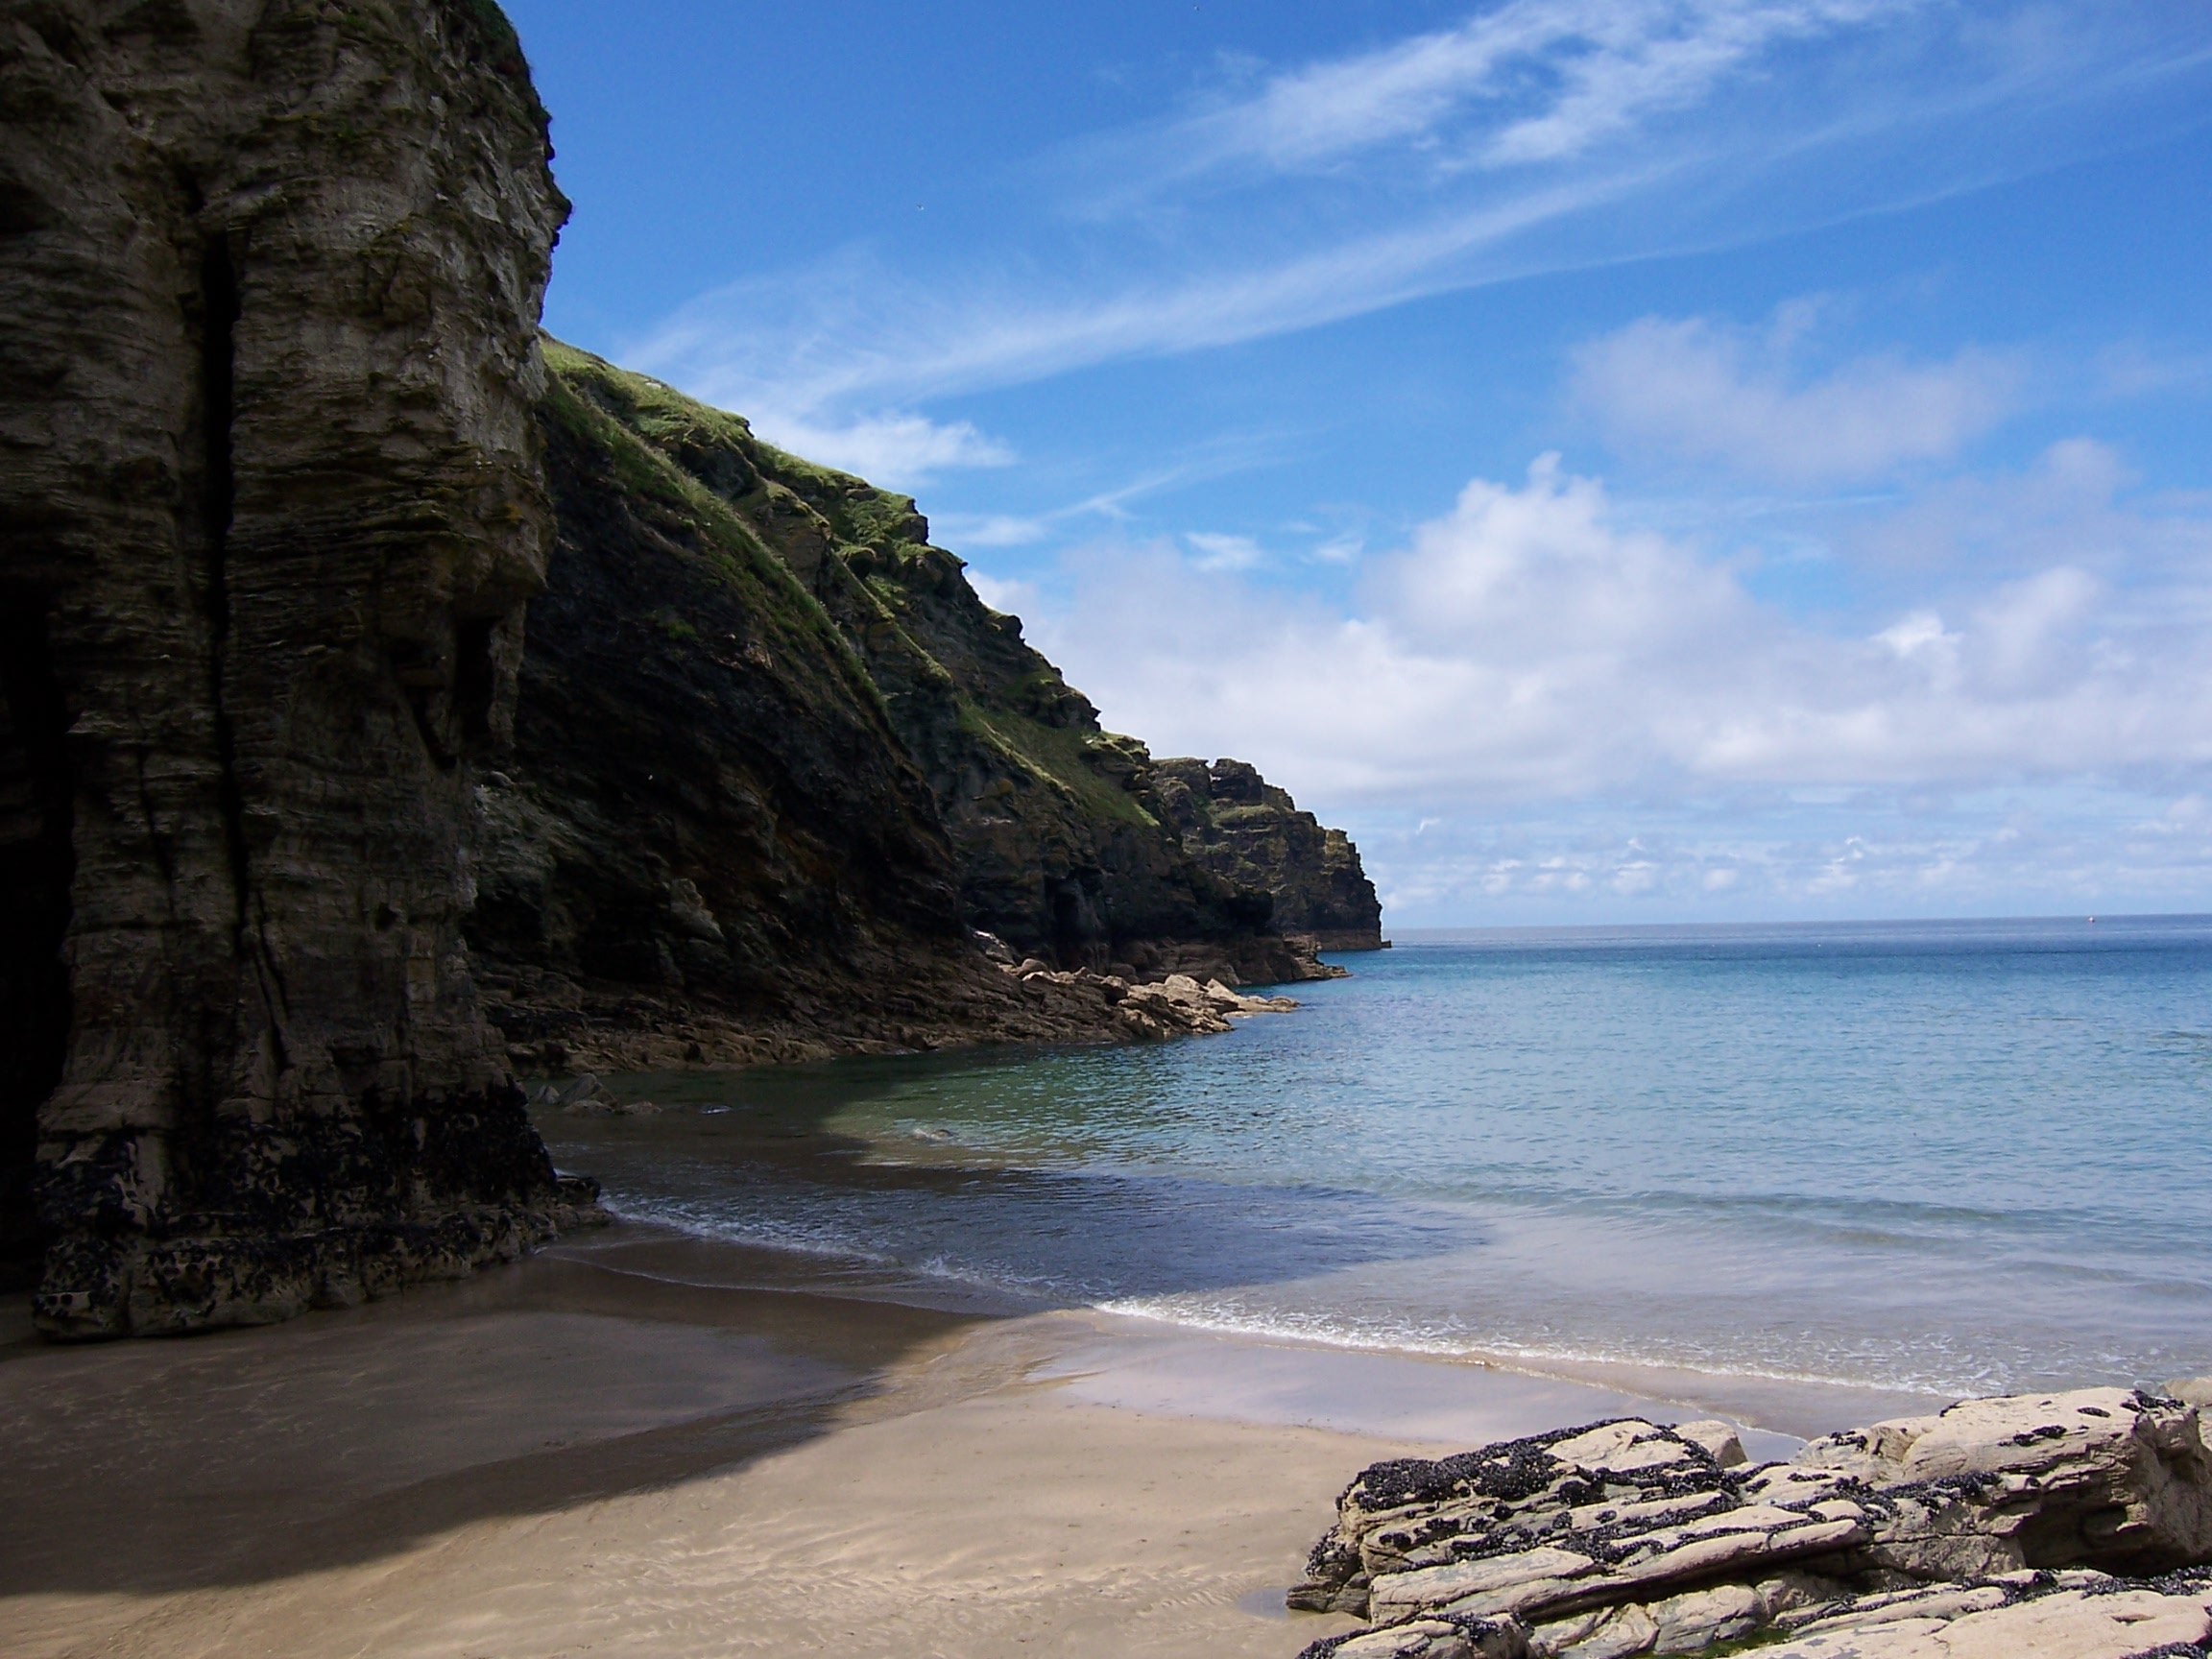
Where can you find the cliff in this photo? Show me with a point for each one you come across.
(708, 844)
(775, 760)
(379, 712)
(1246, 830)
(270, 273)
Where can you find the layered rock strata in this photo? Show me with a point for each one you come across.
(2026, 1526)
(270, 273)
(1248, 832)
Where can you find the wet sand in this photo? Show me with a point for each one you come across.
(642, 1445)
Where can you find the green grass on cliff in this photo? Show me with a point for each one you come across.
(658, 413)
(1061, 754)
(574, 401)
(857, 510)
(658, 441)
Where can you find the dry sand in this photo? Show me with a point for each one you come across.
(643, 1447)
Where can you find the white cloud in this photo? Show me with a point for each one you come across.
(1700, 390)
(989, 529)
(1341, 549)
(1011, 596)
(850, 330)
(1528, 646)
(2017, 850)
(1531, 80)
(2132, 369)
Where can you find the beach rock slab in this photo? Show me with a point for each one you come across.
(2107, 1477)
(1430, 1639)
(2117, 1623)
(1628, 1537)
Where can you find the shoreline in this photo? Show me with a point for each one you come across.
(1355, 1388)
(646, 1443)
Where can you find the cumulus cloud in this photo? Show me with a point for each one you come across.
(1530, 645)
(1697, 390)
(1537, 709)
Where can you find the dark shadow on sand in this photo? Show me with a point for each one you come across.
(248, 1455)
(616, 1362)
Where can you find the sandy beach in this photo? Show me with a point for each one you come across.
(638, 1444)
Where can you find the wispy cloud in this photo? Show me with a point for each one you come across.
(1534, 81)
(1217, 552)
(1697, 390)
(854, 332)
(989, 529)
(1538, 135)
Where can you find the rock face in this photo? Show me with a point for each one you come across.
(709, 843)
(269, 279)
(775, 760)
(2002, 1526)
(1248, 832)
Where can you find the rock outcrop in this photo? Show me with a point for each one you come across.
(269, 280)
(2024, 1526)
(775, 760)
(1248, 832)
(709, 844)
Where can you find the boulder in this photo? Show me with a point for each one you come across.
(2107, 1477)
(1430, 1639)
(1628, 1537)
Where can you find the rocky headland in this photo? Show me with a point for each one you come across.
(393, 701)
(1248, 832)
(782, 783)
(2070, 1525)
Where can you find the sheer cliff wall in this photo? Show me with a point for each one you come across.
(270, 273)
(301, 848)
(775, 757)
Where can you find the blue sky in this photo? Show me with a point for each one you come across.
(1624, 460)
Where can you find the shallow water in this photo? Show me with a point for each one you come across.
(1943, 1157)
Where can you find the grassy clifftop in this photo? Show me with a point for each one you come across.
(1058, 836)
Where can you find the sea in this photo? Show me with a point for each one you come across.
(1930, 1157)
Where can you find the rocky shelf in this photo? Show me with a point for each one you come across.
(2068, 1526)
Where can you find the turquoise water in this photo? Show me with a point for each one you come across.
(1954, 1156)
